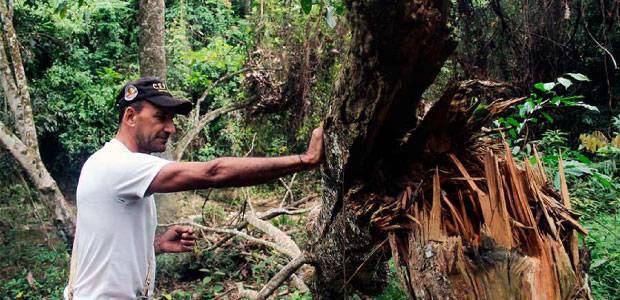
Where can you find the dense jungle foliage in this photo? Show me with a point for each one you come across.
(286, 55)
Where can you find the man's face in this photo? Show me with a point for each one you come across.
(153, 128)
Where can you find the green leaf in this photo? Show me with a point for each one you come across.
(62, 8)
(481, 111)
(604, 180)
(580, 157)
(512, 121)
(513, 133)
(218, 288)
(574, 97)
(206, 280)
(578, 76)
(549, 86)
(576, 168)
(306, 6)
(540, 86)
(547, 116)
(565, 82)
(528, 149)
(545, 87)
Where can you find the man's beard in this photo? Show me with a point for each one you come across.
(152, 145)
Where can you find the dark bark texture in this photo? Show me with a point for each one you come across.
(397, 49)
(151, 50)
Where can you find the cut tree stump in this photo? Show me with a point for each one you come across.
(464, 220)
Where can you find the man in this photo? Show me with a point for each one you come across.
(115, 244)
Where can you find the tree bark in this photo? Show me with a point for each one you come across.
(14, 81)
(397, 49)
(151, 50)
(450, 237)
(25, 147)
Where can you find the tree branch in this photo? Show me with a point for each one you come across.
(244, 235)
(288, 189)
(268, 215)
(204, 95)
(181, 146)
(281, 238)
(277, 280)
(41, 178)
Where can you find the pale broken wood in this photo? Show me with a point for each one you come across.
(286, 244)
(498, 222)
(514, 193)
(434, 224)
(573, 242)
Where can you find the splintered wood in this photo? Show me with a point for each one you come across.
(483, 227)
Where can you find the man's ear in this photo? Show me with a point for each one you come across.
(130, 116)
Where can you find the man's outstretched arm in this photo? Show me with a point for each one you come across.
(235, 171)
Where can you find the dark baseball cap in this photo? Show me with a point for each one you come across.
(152, 90)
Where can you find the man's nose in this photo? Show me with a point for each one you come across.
(170, 128)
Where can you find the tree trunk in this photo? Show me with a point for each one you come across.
(24, 147)
(380, 192)
(151, 50)
(247, 7)
(43, 181)
(397, 49)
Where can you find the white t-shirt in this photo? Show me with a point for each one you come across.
(116, 223)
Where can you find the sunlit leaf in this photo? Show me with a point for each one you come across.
(578, 76)
(549, 86)
(576, 168)
(565, 82)
(587, 106)
(597, 262)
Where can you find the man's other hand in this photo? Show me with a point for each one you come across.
(315, 153)
(176, 239)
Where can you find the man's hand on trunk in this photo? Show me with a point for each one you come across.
(315, 153)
